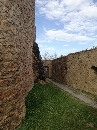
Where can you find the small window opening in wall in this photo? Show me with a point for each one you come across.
(94, 68)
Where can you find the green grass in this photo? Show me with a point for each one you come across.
(77, 90)
(49, 108)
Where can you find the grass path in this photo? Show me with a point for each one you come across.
(49, 108)
(80, 96)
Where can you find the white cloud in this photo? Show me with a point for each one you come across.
(66, 45)
(50, 11)
(79, 18)
(43, 40)
(50, 48)
(70, 50)
(40, 2)
(40, 45)
(95, 44)
(89, 11)
(83, 43)
(46, 47)
(61, 35)
(57, 23)
(58, 9)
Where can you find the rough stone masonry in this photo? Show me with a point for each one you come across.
(39, 70)
(78, 70)
(17, 35)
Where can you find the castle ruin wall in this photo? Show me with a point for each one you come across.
(48, 63)
(78, 70)
(17, 34)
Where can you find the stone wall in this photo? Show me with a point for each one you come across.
(48, 63)
(78, 70)
(59, 69)
(39, 72)
(17, 34)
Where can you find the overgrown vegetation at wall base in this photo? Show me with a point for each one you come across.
(49, 108)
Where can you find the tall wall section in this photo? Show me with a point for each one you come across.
(39, 71)
(78, 70)
(17, 34)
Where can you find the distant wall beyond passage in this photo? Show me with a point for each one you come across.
(78, 69)
(17, 33)
(48, 63)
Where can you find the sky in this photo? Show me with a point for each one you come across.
(66, 26)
